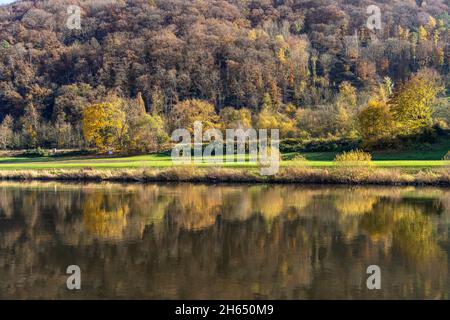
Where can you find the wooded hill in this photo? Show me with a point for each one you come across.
(290, 54)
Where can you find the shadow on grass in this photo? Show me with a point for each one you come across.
(82, 158)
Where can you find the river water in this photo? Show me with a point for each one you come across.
(186, 241)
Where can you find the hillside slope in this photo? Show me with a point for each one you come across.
(228, 52)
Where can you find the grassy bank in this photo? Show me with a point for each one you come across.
(302, 175)
(387, 168)
(165, 161)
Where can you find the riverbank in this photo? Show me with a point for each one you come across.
(300, 175)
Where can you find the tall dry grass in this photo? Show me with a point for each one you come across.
(354, 158)
(301, 175)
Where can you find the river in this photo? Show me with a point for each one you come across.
(186, 241)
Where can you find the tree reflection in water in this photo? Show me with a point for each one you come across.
(227, 241)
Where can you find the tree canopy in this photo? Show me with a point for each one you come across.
(291, 60)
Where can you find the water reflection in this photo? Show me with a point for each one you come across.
(189, 241)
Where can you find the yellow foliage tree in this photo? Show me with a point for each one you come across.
(347, 95)
(268, 119)
(432, 23)
(232, 118)
(252, 35)
(423, 34)
(185, 113)
(411, 105)
(403, 34)
(140, 103)
(146, 133)
(345, 112)
(104, 125)
(375, 122)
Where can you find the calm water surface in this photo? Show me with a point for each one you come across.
(184, 241)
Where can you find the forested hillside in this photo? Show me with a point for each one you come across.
(309, 67)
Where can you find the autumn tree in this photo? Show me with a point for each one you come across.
(72, 99)
(6, 133)
(145, 132)
(345, 112)
(104, 125)
(30, 126)
(412, 103)
(232, 118)
(140, 103)
(269, 119)
(375, 123)
(66, 136)
(185, 113)
(158, 102)
(229, 53)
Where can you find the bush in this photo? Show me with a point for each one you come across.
(447, 156)
(299, 157)
(318, 145)
(35, 153)
(293, 157)
(354, 157)
(292, 145)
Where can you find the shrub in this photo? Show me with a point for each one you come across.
(318, 145)
(36, 153)
(293, 157)
(354, 157)
(299, 157)
(447, 156)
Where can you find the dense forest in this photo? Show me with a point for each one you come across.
(311, 68)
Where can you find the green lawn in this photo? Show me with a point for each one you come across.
(402, 160)
(412, 159)
(436, 152)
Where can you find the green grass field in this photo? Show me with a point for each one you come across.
(414, 159)
(406, 159)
